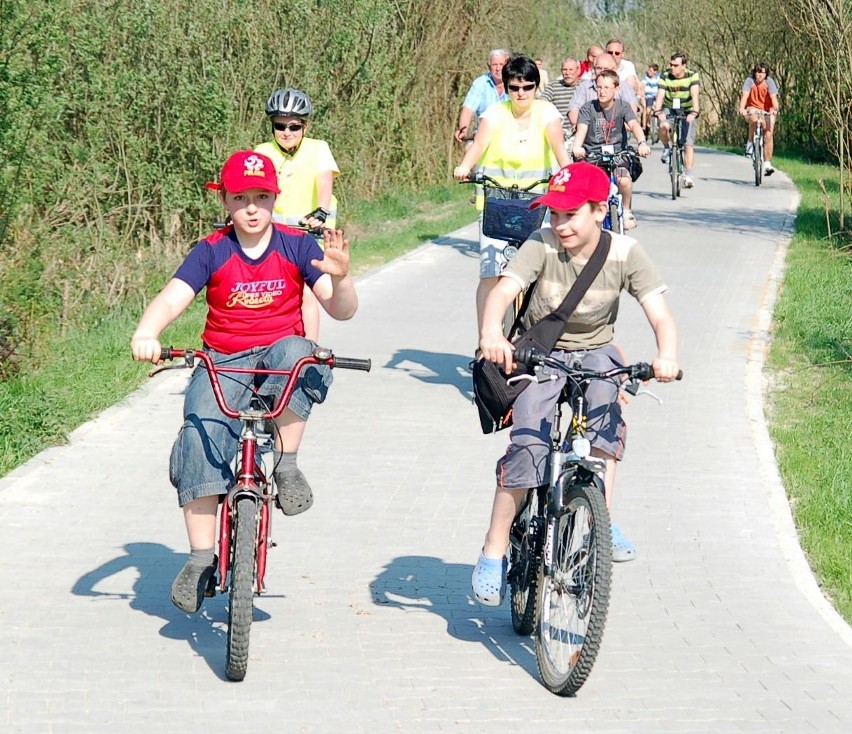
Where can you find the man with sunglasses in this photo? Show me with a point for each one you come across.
(678, 89)
(306, 170)
(626, 70)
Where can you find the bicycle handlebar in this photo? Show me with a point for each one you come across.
(641, 371)
(484, 179)
(319, 355)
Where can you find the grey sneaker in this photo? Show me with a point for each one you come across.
(749, 150)
(294, 492)
(688, 182)
(666, 156)
(190, 585)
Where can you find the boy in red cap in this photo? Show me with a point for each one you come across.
(254, 272)
(554, 257)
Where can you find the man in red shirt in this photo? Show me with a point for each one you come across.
(760, 97)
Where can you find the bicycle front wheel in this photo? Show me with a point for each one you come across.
(616, 224)
(757, 161)
(523, 571)
(573, 599)
(243, 556)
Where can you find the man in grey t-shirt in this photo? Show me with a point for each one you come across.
(561, 93)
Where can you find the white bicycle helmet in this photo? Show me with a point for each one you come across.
(289, 103)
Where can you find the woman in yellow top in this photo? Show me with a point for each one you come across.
(518, 142)
(306, 171)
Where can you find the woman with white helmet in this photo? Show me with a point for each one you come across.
(306, 171)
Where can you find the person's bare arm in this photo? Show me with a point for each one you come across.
(475, 151)
(465, 118)
(492, 342)
(665, 331)
(167, 305)
(556, 138)
(335, 290)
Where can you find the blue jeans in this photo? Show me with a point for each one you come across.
(208, 441)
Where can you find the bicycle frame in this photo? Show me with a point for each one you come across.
(677, 140)
(250, 477)
(614, 219)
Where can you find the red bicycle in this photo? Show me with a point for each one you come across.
(245, 518)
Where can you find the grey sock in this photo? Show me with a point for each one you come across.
(201, 557)
(284, 462)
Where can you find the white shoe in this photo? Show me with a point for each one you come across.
(629, 220)
(688, 183)
(666, 156)
(768, 170)
(749, 149)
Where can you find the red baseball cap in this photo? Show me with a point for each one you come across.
(573, 186)
(245, 170)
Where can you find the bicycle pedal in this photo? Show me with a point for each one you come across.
(212, 583)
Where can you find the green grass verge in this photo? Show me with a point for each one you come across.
(90, 370)
(810, 370)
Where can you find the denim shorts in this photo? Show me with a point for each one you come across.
(526, 462)
(203, 454)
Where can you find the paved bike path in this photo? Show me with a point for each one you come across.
(369, 625)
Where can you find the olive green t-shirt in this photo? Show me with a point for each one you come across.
(543, 258)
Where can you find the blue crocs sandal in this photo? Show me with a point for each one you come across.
(489, 580)
(622, 549)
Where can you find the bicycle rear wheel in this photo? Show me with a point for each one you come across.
(573, 600)
(523, 571)
(653, 130)
(244, 544)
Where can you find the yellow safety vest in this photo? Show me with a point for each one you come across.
(297, 179)
(511, 162)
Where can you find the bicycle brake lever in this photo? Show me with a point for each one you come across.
(164, 367)
(645, 391)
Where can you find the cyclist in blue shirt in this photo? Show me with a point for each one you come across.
(484, 91)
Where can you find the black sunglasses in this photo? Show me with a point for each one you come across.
(519, 87)
(293, 127)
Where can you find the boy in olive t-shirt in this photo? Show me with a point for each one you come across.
(553, 257)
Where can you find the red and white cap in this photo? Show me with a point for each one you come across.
(573, 186)
(245, 170)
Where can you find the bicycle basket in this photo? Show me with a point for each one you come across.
(508, 216)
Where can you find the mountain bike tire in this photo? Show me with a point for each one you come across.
(523, 569)
(240, 609)
(653, 130)
(573, 600)
(757, 161)
(616, 223)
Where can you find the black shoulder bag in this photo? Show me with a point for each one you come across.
(494, 397)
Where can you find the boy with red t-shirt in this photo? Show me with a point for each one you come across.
(254, 273)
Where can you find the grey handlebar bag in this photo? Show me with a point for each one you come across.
(492, 394)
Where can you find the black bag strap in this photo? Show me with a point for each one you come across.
(544, 334)
(516, 324)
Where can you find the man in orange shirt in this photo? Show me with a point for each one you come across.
(760, 97)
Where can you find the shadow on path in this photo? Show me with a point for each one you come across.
(430, 584)
(435, 368)
(157, 565)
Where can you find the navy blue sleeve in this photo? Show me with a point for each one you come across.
(197, 268)
(300, 248)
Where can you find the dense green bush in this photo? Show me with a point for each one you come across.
(114, 114)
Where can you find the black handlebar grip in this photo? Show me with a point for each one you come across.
(351, 363)
(529, 356)
(165, 353)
